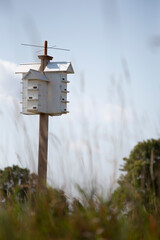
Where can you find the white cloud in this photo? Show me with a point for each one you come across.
(9, 82)
(97, 110)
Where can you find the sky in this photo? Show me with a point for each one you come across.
(114, 93)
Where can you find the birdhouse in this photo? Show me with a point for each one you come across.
(45, 92)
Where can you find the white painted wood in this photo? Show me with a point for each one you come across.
(45, 92)
(24, 68)
(59, 67)
(34, 75)
(51, 67)
(42, 96)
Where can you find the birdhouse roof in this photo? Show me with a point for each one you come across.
(36, 75)
(59, 67)
(51, 67)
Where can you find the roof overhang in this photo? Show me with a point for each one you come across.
(51, 67)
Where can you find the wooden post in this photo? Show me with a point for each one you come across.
(43, 131)
(43, 149)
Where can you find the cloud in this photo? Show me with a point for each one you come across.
(9, 82)
(97, 110)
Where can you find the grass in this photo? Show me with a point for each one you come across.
(29, 213)
(49, 215)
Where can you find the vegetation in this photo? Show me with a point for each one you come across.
(141, 180)
(132, 212)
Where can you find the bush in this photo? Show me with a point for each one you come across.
(17, 180)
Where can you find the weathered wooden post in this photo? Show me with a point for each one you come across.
(43, 130)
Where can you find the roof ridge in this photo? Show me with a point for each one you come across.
(29, 63)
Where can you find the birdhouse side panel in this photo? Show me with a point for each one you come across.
(63, 87)
(54, 93)
(24, 96)
(43, 97)
(30, 97)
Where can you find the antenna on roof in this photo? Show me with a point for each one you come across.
(45, 47)
(42, 50)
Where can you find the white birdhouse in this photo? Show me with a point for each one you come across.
(45, 92)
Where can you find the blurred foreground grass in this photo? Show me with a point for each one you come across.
(26, 213)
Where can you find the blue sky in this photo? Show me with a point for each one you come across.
(100, 34)
(116, 84)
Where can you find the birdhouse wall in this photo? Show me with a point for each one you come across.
(63, 87)
(48, 98)
(41, 96)
(34, 97)
(53, 93)
(24, 97)
(57, 91)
